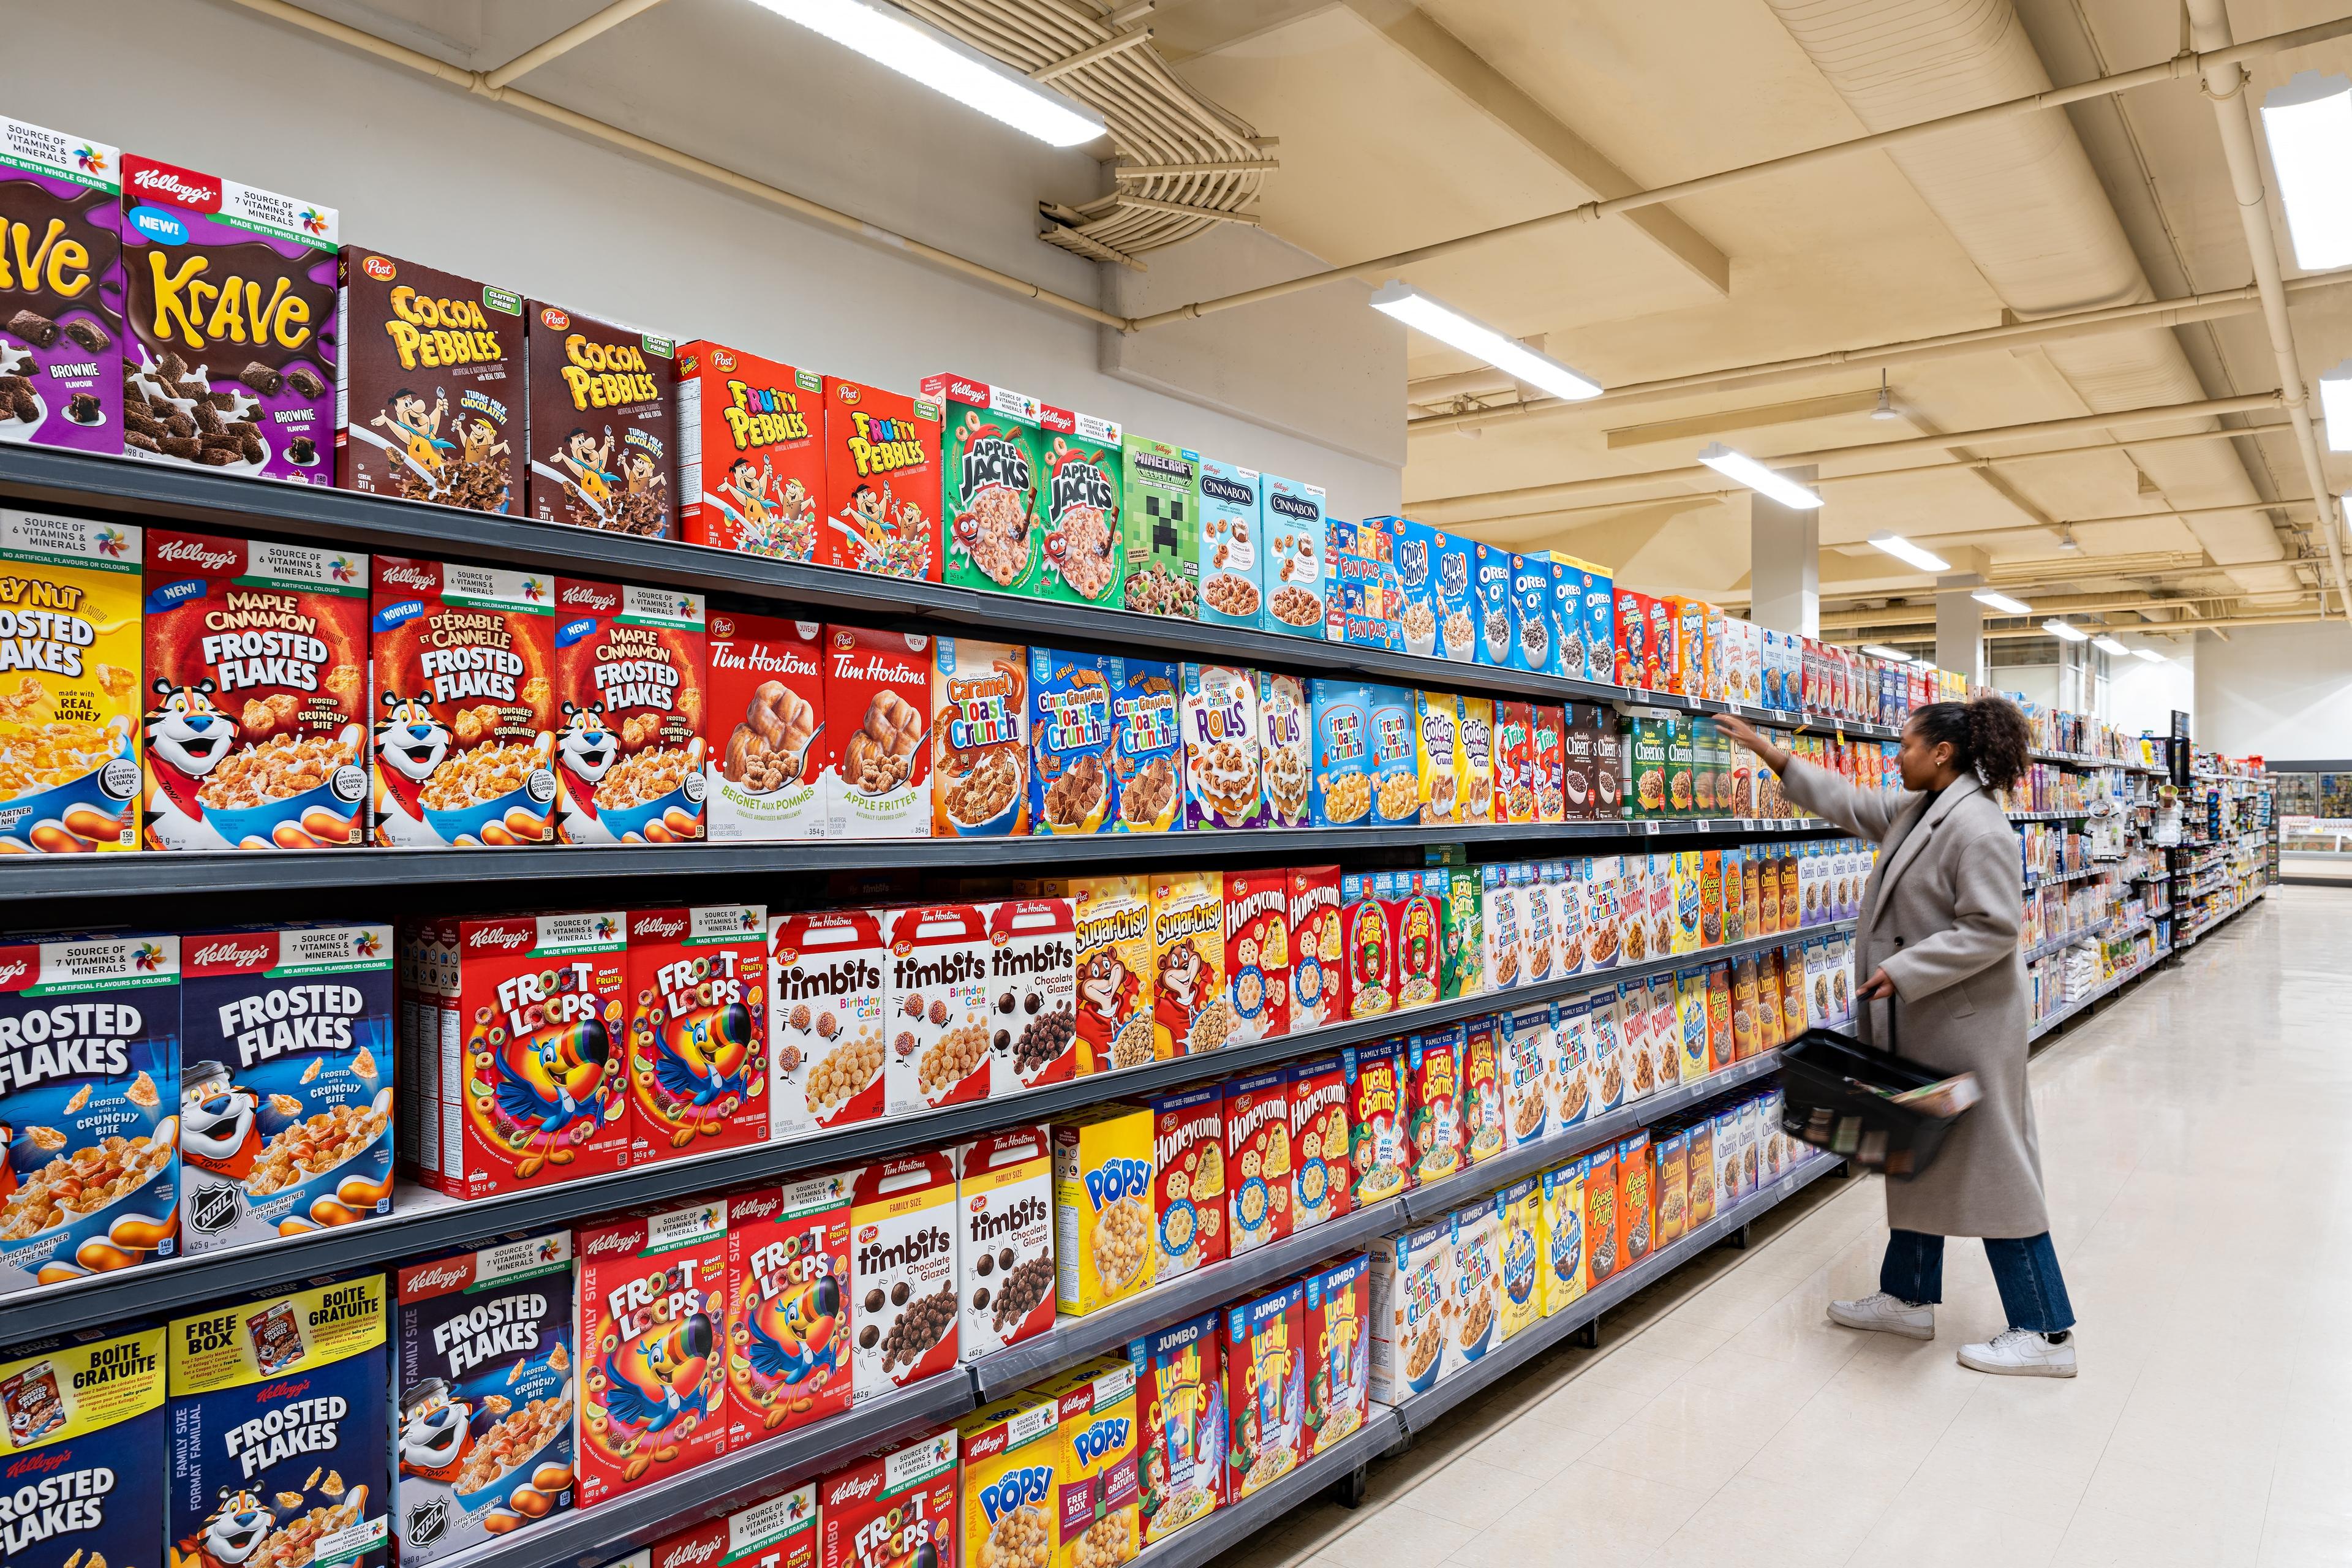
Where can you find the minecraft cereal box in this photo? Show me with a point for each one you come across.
(698, 986)
(430, 406)
(61, 301)
(1084, 557)
(1011, 1451)
(604, 423)
(1103, 1228)
(789, 1317)
(69, 721)
(991, 466)
(764, 771)
(1266, 1388)
(1098, 1495)
(882, 483)
(896, 1507)
(751, 452)
(1006, 1253)
(828, 970)
(1161, 528)
(77, 1409)
(1181, 1428)
(1334, 1342)
(629, 670)
(653, 1287)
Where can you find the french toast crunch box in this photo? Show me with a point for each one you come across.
(84, 1421)
(653, 1287)
(789, 1317)
(71, 719)
(697, 987)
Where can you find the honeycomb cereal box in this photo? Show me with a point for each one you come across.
(1335, 1342)
(1286, 748)
(604, 423)
(1161, 529)
(1011, 1451)
(1483, 1106)
(70, 718)
(1520, 1225)
(1293, 525)
(1191, 1013)
(698, 988)
(76, 1410)
(1437, 755)
(1262, 1191)
(61, 339)
(1104, 1249)
(764, 770)
(1380, 1121)
(1563, 1193)
(938, 1023)
(1189, 1185)
(878, 744)
(902, 1271)
(1146, 752)
(991, 463)
(1433, 1078)
(751, 452)
(653, 1308)
(1073, 741)
(828, 976)
(1412, 1296)
(483, 1372)
(1084, 558)
(90, 1032)
(1181, 1428)
(1318, 947)
(780, 1532)
(630, 668)
(286, 1082)
(1222, 786)
(882, 483)
(788, 1317)
(1232, 546)
(894, 1508)
(1318, 1140)
(408, 327)
(1342, 789)
(980, 736)
(1257, 953)
(1265, 1355)
(1005, 1202)
(1032, 989)
(1098, 1495)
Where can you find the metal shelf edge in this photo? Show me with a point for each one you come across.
(1232, 1523)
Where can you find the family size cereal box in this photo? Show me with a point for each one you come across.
(1285, 720)
(69, 722)
(1396, 777)
(604, 423)
(90, 1032)
(788, 1318)
(76, 1410)
(991, 463)
(1342, 789)
(766, 696)
(629, 671)
(406, 327)
(1104, 1246)
(1293, 524)
(980, 738)
(483, 1369)
(1180, 1425)
(780, 1532)
(1233, 545)
(1006, 1251)
(1482, 1091)
(1219, 720)
(1335, 1345)
(653, 1307)
(1098, 1492)
(902, 1271)
(751, 452)
(940, 1007)
(698, 1034)
(1265, 1357)
(1698, 1157)
(1161, 528)
(1033, 987)
(1498, 920)
(1433, 1086)
(1257, 953)
(1188, 1158)
(1412, 1292)
(1073, 742)
(1010, 1450)
(878, 706)
(1191, 1013)
(1380, 1121)
(1417, 912)
(1084, 558)
(280, 1429)
(894, 1508)
(1519, 1229)
(882, 483)
(1147, 754)
(1261, 1191)
(286, 1082)
(1318, 948)
(61, 379)
(1562, 1189)
(1322, 1180)
(1528, 1047)
(829, 1008)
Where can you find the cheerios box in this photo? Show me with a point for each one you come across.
(1072, 742)
(1011, 1460)
(483, 1369)
(1412, 1274)
(1341, 795)
(902, 1271)
(1104, 1250)
(70, 719)
(1191, 1013)
(894, 1508)
(829, 1011)
(1265, 1358)
(1260, 1194)
(1560, 1189)
(89, 1029)
(1233, 545)
(652, 1312)
(764, 770)
(1098, 1494)
(776, 1532)
(286, 1082)
(1222, 787)
(1336, 1342)
(1181, 1428)
(76, 1408)
(1293, 525)
(789, 1317)
(631, 664)
(940, 1007)
(1318, 948)
(698, 1034)
(1005, 1198)
(1380, 1120)
(1189, 1181)
(1147, 754)
(280, 1429)
(1257, 953)
(1318, 1142)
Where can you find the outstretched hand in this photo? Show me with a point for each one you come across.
(1741, 730)
(1879, 986)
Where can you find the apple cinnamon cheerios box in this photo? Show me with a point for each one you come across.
(1006, 1253)
(698, 1034)
(764, 769)
(789, 1317)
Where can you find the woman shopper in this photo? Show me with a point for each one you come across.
(1937, 937)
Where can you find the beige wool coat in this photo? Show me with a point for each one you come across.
(1941, 914)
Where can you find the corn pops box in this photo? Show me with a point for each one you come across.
(1097, 1496)
(894, 1508)
(787, 1316)
(1181, 1428)
(697, 989)
(70, 720)
(1335, 1344)
(76, 1408)
(1010, 1450)
(653, 1307)
(1104, 1250)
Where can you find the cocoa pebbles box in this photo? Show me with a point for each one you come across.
(483, 1369)
(83, 1417)
(604, 423)
(882, 483)
(431, 396)
(1083, 558)
(629, 672)
(751, 443)
(230, 305)
(652, 1309)
(990, 465)
(60, 292)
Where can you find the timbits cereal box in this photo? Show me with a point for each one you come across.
(1005, 1199)
(1318, 948)
(990, 465)
(483, 1369)
(1257, 953)
(1096, 1474)
(1188, 1158)
(697, 985)
(764, 771)
(1261, 1191)
(878, 742)
(939, 1006)
(256, 659)
(1085, 558)
(1266, 1359)
(604, 423)
(1380, 1120)
(828, 974)
(1191, 1013)
(980, 738)
(629, 670)
(286, 1082)
(89, 1084)
(902, 1271)
(1233, 545)
(1012, 1450)
(788, 1314)
(1146, 751)
(894, 1508)
(61, 341)
(1073, 742)
(1033, 992)
(778, 1532)
(1180, 1405)
(653, 1298)
(1335, 1341)
(1104, 1249)
(1318, 1140)
(411, 335)
(751, 452)
(77, 1409)
(70, 718)
(882, 483)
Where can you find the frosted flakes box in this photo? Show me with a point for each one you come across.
(1073, 741)
(630, 667)
(604, 423)
(1257, 953)
(1518, 1218)
(1221, 783)
(483, 1371)
(1096, 1494)
(1188, 1158)
(1334, 1342)
(1147, 754)
(1262, 1191)
(1232, 546)
(1322, 1178)
(764, 770)
(286, 1082)
(1413, 1298)
(698, 1034)
(939, 1001)
(1318, 948)
(787, 1316)
(89, 1087)
(1161, 528)
(1104, 1249)
(829, 974)
(1010, 1449)
(751, 452)
(1084, 560)
(281, 1433)
(980, 739)
(1293, 526)
(1380, 1121)
(70, 720)
(882, 483)
(1265, 1389)
(1031, 987)
(1287, 747)
(877, 740)
(1342, 791)
(894, 1508)
(653, 1308)
(1395, 779)
(407, 327)
(1181, 1428)
(61, 340)
(76, 1409)
(1191, 1015)
(1004, 1187)
(991, 463)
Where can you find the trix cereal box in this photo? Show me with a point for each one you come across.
(827, 974)
(789, 1317)
(1191, 1015)
(877, 762)
(465, 711)
(1098, 1498)
(1318, 948)
(482, 1367)
(882, 483)
(61, 290)
(1262, 1193)
(697, 989)
(763, 773)
(1072, 742)
(1336, 1344)
(89, 1083)
(1266, 1388)
(76, 1410)
(896, 1507)
(1293, 525)
(257, 657)
(430, 401)
(653, 1288)
(69, 721)
(1257, 953)
(1103, 1245)
(1380, 1121)
(1233, 545)
(1011, 1450)
(980, 735)
(1161, 529)
(1033, 987)
(902, 1271)
(604, 423)
(940, 1001)
(1147, 754)
(751, 452)
(1188, 1157)
(1180, 1406)
(286, 1082)
(1318, 1140)
(991, 463)
(1005, 1270)
(1083, 559)
(214, 273)
(629, 670)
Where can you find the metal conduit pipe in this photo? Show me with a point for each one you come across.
(2310, 608)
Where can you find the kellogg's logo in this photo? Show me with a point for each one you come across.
(424, 579)
(700, 1550)
(591, 596)
(227, 952)
(656, 926)
(188, 190)
(506, 938)
(440, 1276)
(618, 1241)
(853, 1489)
(379, 268)
(555, 320)
(13, 973)
(195, 552)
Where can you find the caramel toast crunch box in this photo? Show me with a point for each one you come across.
(84, 1421)
(431, 399)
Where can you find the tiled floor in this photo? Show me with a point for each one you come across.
(2194, 1136)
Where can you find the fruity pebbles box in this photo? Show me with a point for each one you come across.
(405, 328)
(764, 780)
(1181, 1428)
(1146, 751)
(698, 986)
(653, 1287)
(629, 668)
(76, 1410)
(990, 463)
(1084, 557)
(69, 721)
(751, 452)
(788, 1318)
(894, 1508)
(1072, 742)
(60, 340)
(1161, 529)
(604, 423)
(882, 483)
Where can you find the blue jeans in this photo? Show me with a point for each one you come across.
(2025, 1269)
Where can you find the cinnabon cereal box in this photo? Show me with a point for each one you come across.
(1073, 741)
(1085, 556)
(1005, 1270)
(1286, 720)
(980, 738)
(1341, 795)
(1380, 1121)
(828, 978)
(1412, 1292)
(70, 720)
(1432, 1080)
(763, 771)
(1011, 1451)
(788, 1313)
(1368, 946)
(1295, 560)
(1257, 953)
(483, 1368)
(61, 343)
(1104, 1246)
(902, 1271)
(1032, 991)
(1188, 1158)
(1191, 1013)
(604, 423)
(780, 1532)
(76, 1409)
(629, 672)
(1266, 1379)
(1161, 528)
(1221, 783)
(939, 1006)
(1260, 1194)
(1483, 1106)
(1180, 1405)
(1318, 948)
(430, 399)
(1318, 1142)
(1098, 1494)
(882, 483)
(991, 463)
(1336, 1344)
(877, 746)
(1146, 752)
(653, 1308)
(1233, 545)
(256, 658)
(751, 452)
(698, 986)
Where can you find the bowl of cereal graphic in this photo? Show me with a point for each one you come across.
(500, 794)
(983, 800)
(286, 793)
(332, 1168)
(1314, 1185)
(529, 1434)
(1423, 1360)
(1475, 1330)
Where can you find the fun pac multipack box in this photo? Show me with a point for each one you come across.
(789, 1317)
(61, 289)
(751, 452)
(698, 986)
(604, 423)
(84, 1422)
(653, 1287)
(69, 721)
(431, 403)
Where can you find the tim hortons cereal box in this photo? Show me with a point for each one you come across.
(1323, 1179)
(1115, 968)
(1191, 1015)
(1519, 1235)
(1380, 1121)
(69, 716)
(940, 1007)
(429, 398)
(1010, 1450)
(215, 273)
(1220, 720)
(1188, 1157)
(1318, 948)
(1262, 1191)
(990, 469)
(280, 1433)
(1412, 1294)
(763, 773)
(1083, 556)
(629, 671)
(1482, 1091)
(1562, 1195)
(902, 1271)
(1146, 752)
(90, 1082)
(61, 290)
(1335, 1340)
(1437, 755)
(1434, 1088)
(787, 1316)
(1098, 1494)
(877, 707)
(482, 1370)
(829, 1012)
(1396, 779)
(1287, 748)
(780, 1532)
(1265, 1354)
(1033, 992)
(1602, 1258)
(1257, 953)
(1073, 742)
(751, 452)
(1367, 974)
(653, 1308)
(1104, 1249)
(1161, 528)
(1181, 1428)
(1232, 546)
(980, 739)
(1526, 1049)
(698, 1035)
(1342, 790)
(883, 482)
(1005, 1270)
(896, 1507)
(604, 423)
(76, 1409)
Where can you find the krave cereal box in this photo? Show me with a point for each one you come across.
(1010, 1450)
(1285, 720)
(61, 341)
(698, 1033)
(1334, 1342)
(1261, 1192)
(1147, 754)
(1161, 528)
(1104, 1249)
(828, 974)
(1084, 558)
(1033, 983)
(894, 1508)
(1318, 1140)
(980, 739)
(766, 697)
(76, 1410)
(604, 423)
(1180, 1397)
(1188, 1159)
(1257, 953)
(882, 483)
(653, 1308)
(1098, 1495)
(1073, 739)
(1265, 1358)
(902, 1271)
(629, 669)
(1233, 545)
(1005, 1197)
(991, 463)
(1191, 1013)
(788, 1313)
(69, 716)
(751, 452)
(407, 327)
(1293, 525)
(939, 1006)
(877, 705)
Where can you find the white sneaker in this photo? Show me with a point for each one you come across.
(2021, 1353)
(1879, 1312)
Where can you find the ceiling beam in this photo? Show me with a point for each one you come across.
(1756, 418)
(564, 42)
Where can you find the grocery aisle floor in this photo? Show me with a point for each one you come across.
(2193, 1139)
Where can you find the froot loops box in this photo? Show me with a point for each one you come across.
(69, 719)
(697, 987)
(653, 1288)
(75, 1410)
(1180, 1405)
(1010, 1450)
(896, 1507)
(778, 1532)
(1336, 1339)
(1265, 1357)
(788, 1312)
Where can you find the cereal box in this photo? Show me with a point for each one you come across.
(1562, 1196)
(1433, 1079)
(896, 1507)
(1476, 761)
(1363, 599)
(76, 1410)
(1097, 1496)
(1318, 947)
(882, 482)
(1413, 551)
(1322, 1182)
(1261, 1192)
(1418, 917)
(1533, 645)
(1437, 755)
(629, 672)
(61, 343)
(604, 423)
(1412, 1297)
(1335, 1344)
(1537, 948)
(1115, 968)
(878, 706)
(1161, 529)
(1033, 987)
(1104, 1249)
(1342, 792)
(1294, 558)
(1452, 572)
(1609, 765)
(1483, 1113)
(902, 1271)
(788, 1317)
(941, 1003)
(1192, 1013)
(1380, 1121)
(697, 1029)
(751, 452)
(828, 974)
(1010, 1448)
(1498, 920)
(1601, 1229)
(1632, 638)
(1257, 953)
(1514, 762)
(1634, 1199)
(1670, 1180)
(1698, 1198)
(1577, 1084)
(1546, 757)
(482, 1368)
(1396, 779)
(1084, 560)
(780, 1532)
(1287, 748)
(653, 1287)
(1220, 722)
(765, 695)
(1519, 1229)
(69, 722)
(1367, 975)
(1490, 596)
(1465, 937)
(286, 1082)
(1073, 742)
(1232, 546)
(1564, 892)
(88, 1072)
(1265, 1354)
(1580, 744)
(279, 1430)
(980, 734)
(405, 326)
(1181, 1428)
(991, 463)
(1004, 1193)
(1477, 1284)
(1526, 1048)
(1188, 1157)
(1147, 755)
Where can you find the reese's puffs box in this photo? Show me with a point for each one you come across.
(70, 718)
(629, 673)
(653, 1288)
(750, 443)
(73, 1411)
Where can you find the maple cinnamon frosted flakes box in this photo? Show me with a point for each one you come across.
(630, 668)
(77, 1408)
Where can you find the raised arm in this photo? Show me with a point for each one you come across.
(1868, 813)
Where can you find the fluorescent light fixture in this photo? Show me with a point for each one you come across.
(888, 37)
(1902, 549)
(2109, 645)
(1739, 466)
(2061, 629)
(2001, 602)
(2149, 654)
(1506, 353)
(1892, 655)
(2308, 123)
(2336, 405)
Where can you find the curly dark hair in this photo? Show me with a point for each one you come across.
(1987, 733)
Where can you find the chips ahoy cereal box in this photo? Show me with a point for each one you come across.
(1265, 1360)
(1084, 560)
(1010, 1450)
(1335, 1344)
(1146, 757)
(653, 1290)
(787, 1315)
(894, 1508)
(1072, 739)
(69, 721)
(697, 989)
(85, 1426)
(751, 452)
(1180, 1405)
(630, 669)
(61, 339)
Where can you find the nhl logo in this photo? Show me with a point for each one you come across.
(427, 1521)
(214, 1207)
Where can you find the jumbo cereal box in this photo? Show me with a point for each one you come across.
(1335, 1344)
(751, 452)
(787, 1316)
(1318, 948)
(902, 1271)
(1189, 1184)
(980, 739)
(882, 483)
(90, 1033)
(653, 1312)
(604, 423)
(1233, 545)
(765, 707)
(1073, 741)
(1342, 760)
(1005, 1268)
(1322, 1180)
(1265, 1357)
(1293, 525)
(1221, 783)
(76, 1410)
(698, 1036)
(1104, 1249)
(483, 1371)
(1180, 1397)
(191, 244)
(1191, 1013)
(286, 1082)
(1285, 720)
(1257, 953)
(1083, 556)
(70, 720)
(1477, 1284)
(991, 463)
(1260, 1194)
(1033, 988)
(1380, 1121)
(894, 1508)
(1096, 1474)
(1562, 1191)
(464, 713)
(629, 672)
(280, 1430)
(1146, 752)
(407, 327)
(778, 1532)
(939, 1001)
(1010, 1448)
(1519, 1222)
(1412, 1292)
(878, 742)
(828, 974)
(61, 340)
(1161, 528)
(1433, 1093)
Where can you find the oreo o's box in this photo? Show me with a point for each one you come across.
(279, 1447)
(80, 1422)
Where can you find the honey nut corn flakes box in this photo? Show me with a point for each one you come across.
(894, 1508)
(1191, 1015)
(1181, 1428)
(698, 986)
(652, 1309)
(789, 1317)
(1104, 1246)
(1519, 1224)
(1335, 1341)
(1265, 1356)
(1188, 1156)
(1323, 1177)
(1010, 1450)
(70, 698)
(1096, 1494)
(84, 1418)
(1006, 1253)
(631, 666)
(778, 1532)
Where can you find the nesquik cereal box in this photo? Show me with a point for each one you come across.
(940, 1007)
(1085, 561)
(1257, 953)
(1180, 1427)
(980, 739)
(1010, 1449)
(778, 1532)
(698, 1031)
(1483, 1106)
(1520, 1225)
(1287, 748)
(1222, 787)
(902, 1271)
(1161, 529)
(1293, 525)
(1104, 1246)
(1191, 1015)
(1380, 1121)
(1004, 1187)
(1434, 1087)
(75, 1409)
(1147, 754)
(1189, 1186)
(1367, 976)
(1323, 1178)
(882, 483)
(1437, 755)
(1233, 545)
(828, 976)
(1335, 1344)
(1562, 1189)
(787, 1315)
(1261, 1191)
(1072, 739)
(1032, 989)
(990, 469)
(629, 668)
(1412, 1296)
(1098, 1491)
(763, 771)
(1342, 789)
(70, 720)
(1265, 1356)
(894, 1508)
(751, 452)
(1318, 948)
(878, 706)
(653, 1300)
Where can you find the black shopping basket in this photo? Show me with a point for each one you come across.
(1834, 1089)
